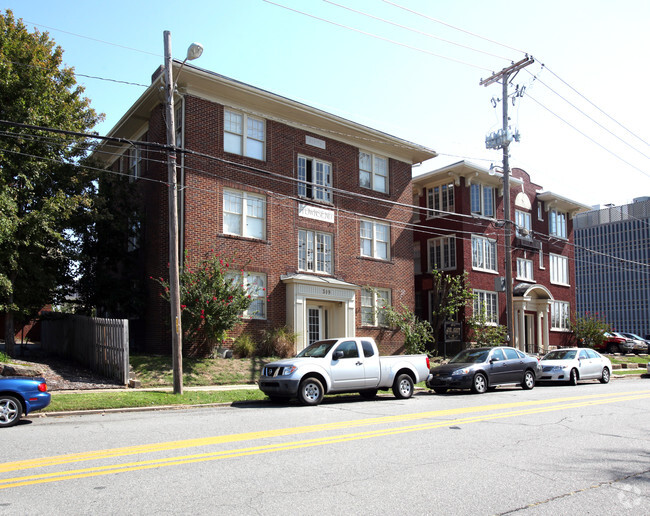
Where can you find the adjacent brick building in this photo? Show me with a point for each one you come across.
(316, 206)
(460, 229)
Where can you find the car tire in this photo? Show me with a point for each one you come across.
(529, 380)
(613, 348)
(573, 377)
(310, 392)
(479, 383)
(440, 390)
(605, 376)
(369, 394)
(403, 386)
(11, 410)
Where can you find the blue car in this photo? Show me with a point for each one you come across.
(20, 395)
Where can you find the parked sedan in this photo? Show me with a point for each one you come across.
(573, 364)
(641, 345)
(21, 395)
(479, 369)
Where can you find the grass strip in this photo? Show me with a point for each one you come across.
(123, 399)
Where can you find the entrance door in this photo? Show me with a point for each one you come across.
(529, 333)
(314, 324)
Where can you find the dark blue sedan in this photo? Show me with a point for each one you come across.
(20, 395)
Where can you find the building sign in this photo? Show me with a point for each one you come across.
(313, 212)
(314, 142)
(453, 332)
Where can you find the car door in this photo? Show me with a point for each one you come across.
(347, 372)
(514, 365)
(497, 368)
(586, 365)
(371, 365)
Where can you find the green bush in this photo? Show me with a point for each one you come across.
(4, 357)
(244, 346)
(279, 342)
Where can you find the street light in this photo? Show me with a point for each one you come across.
(193, 52)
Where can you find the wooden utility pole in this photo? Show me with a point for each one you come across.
(504, 142)
(174, 281)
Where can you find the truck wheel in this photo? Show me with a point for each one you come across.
(613, 348)
(310, 392)
(403, 386)
(10, 410)
(368, 393)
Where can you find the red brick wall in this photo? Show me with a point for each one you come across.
(277, 255)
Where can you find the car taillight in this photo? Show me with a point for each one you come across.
(428, 363)
(42, 387)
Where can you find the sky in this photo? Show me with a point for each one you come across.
(410, 68)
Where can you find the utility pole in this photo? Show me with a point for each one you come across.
(174, 282)
(502, 140)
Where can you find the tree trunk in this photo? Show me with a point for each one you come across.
(9, 333)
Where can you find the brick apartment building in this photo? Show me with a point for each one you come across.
(316, 205)
(460, 229)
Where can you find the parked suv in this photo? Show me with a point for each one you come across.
(640, 345)
(615, 343)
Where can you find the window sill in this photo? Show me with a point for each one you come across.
(489, 271)
(373, 259)
(560, 284)
(561, 330)
(527, 280)
(317, 201)
(244, 238)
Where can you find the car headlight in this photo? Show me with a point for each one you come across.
(460, 371)
(287, 370)
(559, 368)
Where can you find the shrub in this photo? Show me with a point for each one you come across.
(244, 346)
(4, 357)
(278, 342)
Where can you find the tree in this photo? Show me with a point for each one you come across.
(214, 297)
(588, 331)
(43, 190)
(417, 332)
(449, 296)
(484, 333)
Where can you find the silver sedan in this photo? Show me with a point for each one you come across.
(573, 364)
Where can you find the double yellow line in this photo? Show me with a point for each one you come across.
(521, 409)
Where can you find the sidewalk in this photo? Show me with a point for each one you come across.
(249, 386)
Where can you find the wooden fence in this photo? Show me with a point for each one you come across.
(100, 344)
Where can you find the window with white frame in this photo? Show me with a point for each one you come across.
(524, 269)
(375, 239)
(442, 253)
(540, 210)
(484, 253)
(541, 259)
(373, 171)
(559, 269)
(243, 134)
(254, 283)
(135, 163)
(557, 224)
(372, 301)
(482, 199)
(486, 302)
(314, 251)
(523, 223)
(314, 179)
(560, 315)
(244, 214)
(440, 199)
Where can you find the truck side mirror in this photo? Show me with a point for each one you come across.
(338, 355)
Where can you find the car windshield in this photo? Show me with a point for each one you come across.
(561, 354)
(317, 349)
(470, 356)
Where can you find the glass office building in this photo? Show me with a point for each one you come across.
(613, 265)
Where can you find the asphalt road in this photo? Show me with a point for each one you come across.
(552, 450)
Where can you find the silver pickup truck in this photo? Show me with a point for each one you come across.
(347, 364)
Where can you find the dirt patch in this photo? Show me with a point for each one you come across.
(62, 375)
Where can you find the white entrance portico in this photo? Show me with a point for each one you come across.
(531, 303)
(319, 308)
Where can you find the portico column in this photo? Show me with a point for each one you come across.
(540, 343)
(522, 330)
(546, 340)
